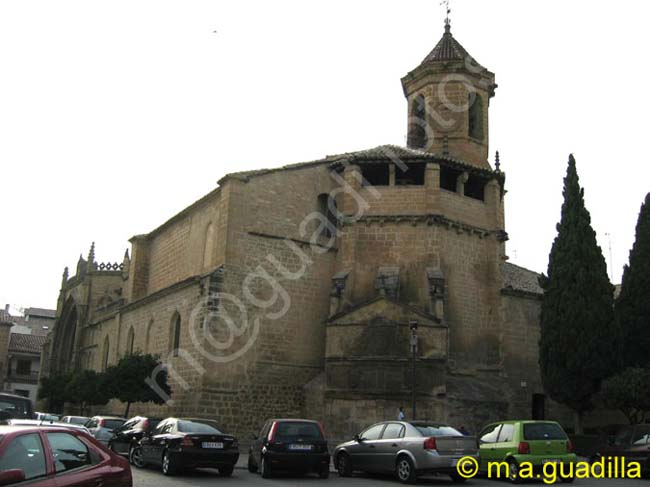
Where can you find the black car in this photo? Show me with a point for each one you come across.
(178, 443)
(15, 407)
(127, 436)
(296, 445)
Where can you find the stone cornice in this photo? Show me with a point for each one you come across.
(430, 219)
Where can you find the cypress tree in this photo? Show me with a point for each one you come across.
(633, 303)
(579, 343)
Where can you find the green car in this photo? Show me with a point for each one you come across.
(511, 447)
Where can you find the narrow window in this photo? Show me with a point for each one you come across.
(413, 176)
(147, 336)
(105, 353)
(175, 334)
(130, 339)
(475, 122)
(417, 131)
(327, 208)
(375, 174)
(208, 247)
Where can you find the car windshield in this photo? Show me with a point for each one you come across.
(298, 430)
(196, 426)
(78, 420)
(437, 430)
(111, 424)
(543, 431)
(15, 407)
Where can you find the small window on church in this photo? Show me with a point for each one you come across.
(413, 176)
(417, 131)
(448, 178)
(475, 122)
(327, 208)
(375, 174)
(475, 187)
(175, 338)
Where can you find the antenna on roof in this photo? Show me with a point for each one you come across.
(446, 3)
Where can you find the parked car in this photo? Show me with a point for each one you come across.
(536, 442)
(101, 427)
(45, 424)
(406, 448)
(296, 445)
(178, 443)
(58, 457)
(126, 437)
(46, 416)
(631, 442)
(12, 406)
(82, 420)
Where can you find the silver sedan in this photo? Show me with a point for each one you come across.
(408, 449)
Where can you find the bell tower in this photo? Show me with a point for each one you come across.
(448, 98)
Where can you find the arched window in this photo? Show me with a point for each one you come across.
(130, 339)
(105, 353)
(475, 122)
(147, 336)
(175, 336)
(417, 133)
(208, 247)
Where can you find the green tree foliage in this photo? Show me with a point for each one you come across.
(87, 388)
(629, 391)
(580, 342)
(633, 303)
(53, 389)
(129, 380)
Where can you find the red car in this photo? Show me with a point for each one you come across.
(58, 457)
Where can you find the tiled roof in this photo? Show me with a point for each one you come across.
(447, 49)
(387, 152)
(26, 343)
(45, 313)
(517, 278)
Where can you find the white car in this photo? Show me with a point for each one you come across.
(46, 424)
(46, 417)
(82, 420)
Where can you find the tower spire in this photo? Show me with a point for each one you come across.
(446, 3)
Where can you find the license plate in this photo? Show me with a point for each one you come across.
(212, 444)
(454, 462)
(300, 447)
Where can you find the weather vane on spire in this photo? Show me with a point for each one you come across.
(448, 8)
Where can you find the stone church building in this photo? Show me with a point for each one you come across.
(292, 291)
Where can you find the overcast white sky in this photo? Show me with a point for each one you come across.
(116, 115)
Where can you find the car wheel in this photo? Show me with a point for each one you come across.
(456, 478)
(324, 472)
(135, 456)
(265, 469)
(252, 468)
(405, 470)
(343, 465)
(169, 466)
(226, 471)
(513, 471)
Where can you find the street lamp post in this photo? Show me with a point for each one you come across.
(413, 325)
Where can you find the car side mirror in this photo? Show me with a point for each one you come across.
(13, 476)
(358, 439)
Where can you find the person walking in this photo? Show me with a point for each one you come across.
(400, 414)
